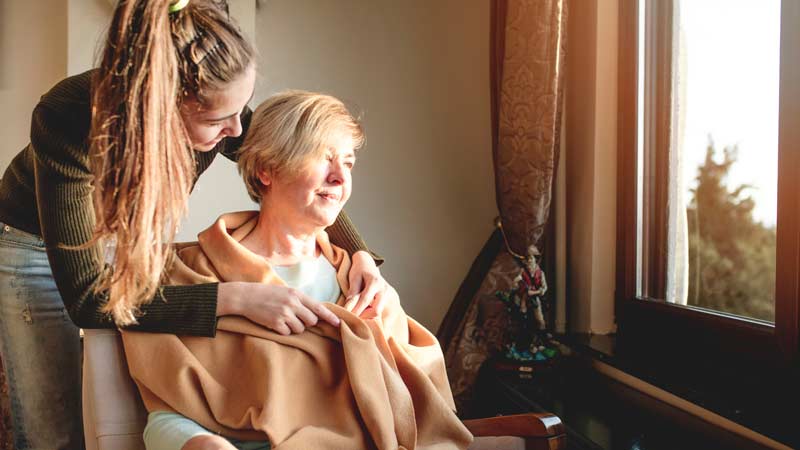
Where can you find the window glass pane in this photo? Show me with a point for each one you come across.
(725, 100)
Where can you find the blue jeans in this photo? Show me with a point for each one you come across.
(40, 347)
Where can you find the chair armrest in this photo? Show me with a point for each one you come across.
(542, 425)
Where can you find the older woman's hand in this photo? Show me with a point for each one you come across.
(367, 286)
(279, 308)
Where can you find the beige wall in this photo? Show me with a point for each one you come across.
(424, 195)
(87, 23)
(605, 186)
(591, 149)
(31, 61)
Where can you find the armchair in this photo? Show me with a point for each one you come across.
(114, 416)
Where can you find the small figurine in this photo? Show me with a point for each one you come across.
(529, 339)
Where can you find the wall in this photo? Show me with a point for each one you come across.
(87, 24)
(591, 149)
(424, 195)
(30, 63)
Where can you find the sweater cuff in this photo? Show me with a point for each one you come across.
(191, 310)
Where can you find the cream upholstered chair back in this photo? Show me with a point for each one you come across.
(113, 414)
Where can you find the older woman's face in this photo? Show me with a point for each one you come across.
(316, 195)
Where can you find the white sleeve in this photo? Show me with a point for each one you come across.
(170, 431)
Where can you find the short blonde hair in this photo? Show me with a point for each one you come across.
(290, 128)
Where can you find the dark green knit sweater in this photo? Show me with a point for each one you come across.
(46, 190)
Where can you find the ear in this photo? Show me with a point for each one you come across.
(265, 177)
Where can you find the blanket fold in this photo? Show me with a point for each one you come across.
(374, 382)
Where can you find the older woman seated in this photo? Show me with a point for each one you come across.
(376, 379)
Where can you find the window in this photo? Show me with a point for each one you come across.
(709, 191)
(720, 76)
(701, 184)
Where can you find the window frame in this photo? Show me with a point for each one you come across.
(647, 324)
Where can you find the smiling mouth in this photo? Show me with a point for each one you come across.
(329, 196)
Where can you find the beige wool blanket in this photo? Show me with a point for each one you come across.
(374, 382)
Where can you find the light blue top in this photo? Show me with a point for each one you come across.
(316, 278)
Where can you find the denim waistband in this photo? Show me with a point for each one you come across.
(9, 233)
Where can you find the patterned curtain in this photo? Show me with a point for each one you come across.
(527, 71)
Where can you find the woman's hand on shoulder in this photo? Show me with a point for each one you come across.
(367, 286)
(279, 308)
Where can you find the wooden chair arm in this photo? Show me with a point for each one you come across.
(537, 425)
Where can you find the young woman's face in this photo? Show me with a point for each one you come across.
(314, 196)
(220, 116)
